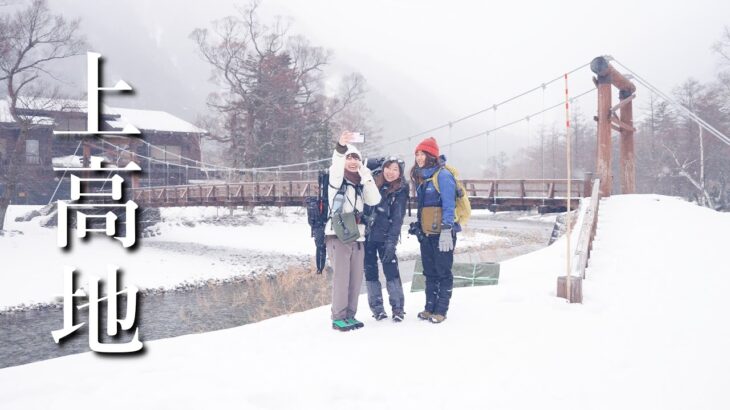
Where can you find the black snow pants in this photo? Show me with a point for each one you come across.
(437, 272)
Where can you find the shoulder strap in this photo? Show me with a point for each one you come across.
(343, 191)
(435, 180)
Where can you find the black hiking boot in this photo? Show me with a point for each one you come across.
(398, 316)
(380, 316)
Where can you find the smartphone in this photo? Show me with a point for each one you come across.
(357, 137)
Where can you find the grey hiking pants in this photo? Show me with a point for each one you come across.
(347, 262)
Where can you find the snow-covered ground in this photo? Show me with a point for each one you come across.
(651, 334)
(268, 230)
(196, 245)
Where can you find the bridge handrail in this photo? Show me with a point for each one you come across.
(476, 188)
(247, 183)
(532, 181)
(588, 231)
(471, 181)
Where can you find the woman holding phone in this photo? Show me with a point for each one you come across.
(351, 186)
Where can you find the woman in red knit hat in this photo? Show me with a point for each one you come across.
(436, 211)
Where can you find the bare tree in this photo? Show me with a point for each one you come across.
(683, 169)
(689, 163)
(31, 40)
(273, 100)
(682, 149)
(722, 48)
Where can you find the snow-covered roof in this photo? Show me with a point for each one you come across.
(145, 120)
(151, 120)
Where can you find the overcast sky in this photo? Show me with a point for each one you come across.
(428, 61)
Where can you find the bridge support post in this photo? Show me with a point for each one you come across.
(603, 155)
(606, 76)
(628, 162)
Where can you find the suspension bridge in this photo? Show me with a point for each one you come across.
(207, 184)
(495, 194)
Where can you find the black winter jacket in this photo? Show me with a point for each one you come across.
(388, 214)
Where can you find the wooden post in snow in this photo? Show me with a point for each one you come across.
(573, 286)
(587, 184)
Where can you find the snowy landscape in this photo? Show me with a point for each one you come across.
(649, 334)
(584, 139)
(192, 246)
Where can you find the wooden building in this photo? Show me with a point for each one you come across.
(168, 149)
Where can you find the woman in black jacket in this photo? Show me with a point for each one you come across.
(382, 238)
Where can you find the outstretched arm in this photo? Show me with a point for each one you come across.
(337, 169)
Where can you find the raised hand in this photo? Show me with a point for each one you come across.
(345, 137)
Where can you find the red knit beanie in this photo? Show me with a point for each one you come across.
(430, 146)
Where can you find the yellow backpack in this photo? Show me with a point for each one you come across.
(462, 213)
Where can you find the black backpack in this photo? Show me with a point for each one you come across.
(318, 206)
(317, 215)
(318, 212)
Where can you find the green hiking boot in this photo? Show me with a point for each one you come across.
(342, 325)
(437, 318)
(425, 315)
(356, 324)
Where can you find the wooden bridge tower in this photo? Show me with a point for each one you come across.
(606, 76)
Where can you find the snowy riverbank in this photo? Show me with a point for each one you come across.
(649, 335)
(195, 245)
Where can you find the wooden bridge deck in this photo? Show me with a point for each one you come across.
(494, 194)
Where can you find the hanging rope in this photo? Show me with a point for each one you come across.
(55, 191)
(686, 111)
(206, 168)
(506, 101)
(110, 172)
(279, 171)
(552, 107)
(408, 138)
